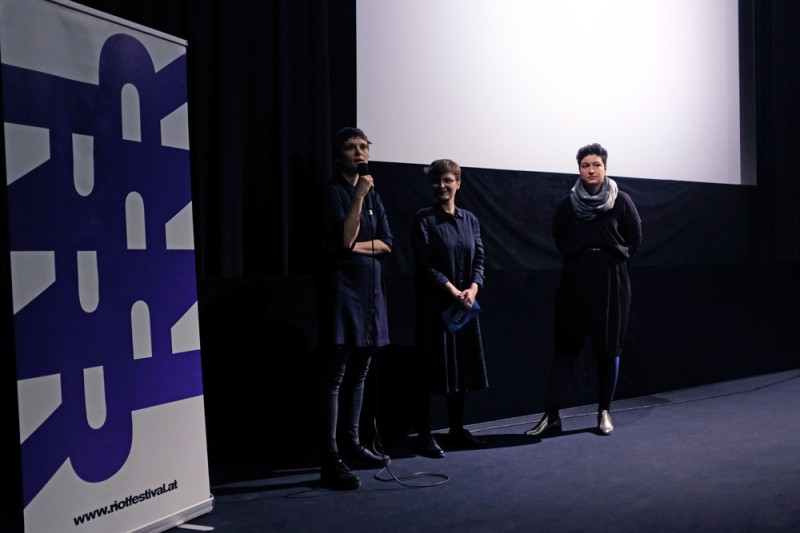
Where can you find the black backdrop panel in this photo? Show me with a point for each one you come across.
(682, 222)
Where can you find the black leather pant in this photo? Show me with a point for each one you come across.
(344, 371)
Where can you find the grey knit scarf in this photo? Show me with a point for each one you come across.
(587, 206)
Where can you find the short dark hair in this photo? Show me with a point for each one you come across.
(592, 149)
(440, 167)
(342, 136)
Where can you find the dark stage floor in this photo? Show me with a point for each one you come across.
(721, 457)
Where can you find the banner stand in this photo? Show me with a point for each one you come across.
(101, 258)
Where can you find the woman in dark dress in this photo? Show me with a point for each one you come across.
(448, 255)
(352, 305)
(597, 230)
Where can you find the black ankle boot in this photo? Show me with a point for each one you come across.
(428, 447)
(336, 475)
(548, 425)
(360, 456)
(461, 438)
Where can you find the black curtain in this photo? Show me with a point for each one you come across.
(269, 82)
(777, 89)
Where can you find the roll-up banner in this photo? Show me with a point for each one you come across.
(103, 280)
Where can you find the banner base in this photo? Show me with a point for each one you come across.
(169, 522)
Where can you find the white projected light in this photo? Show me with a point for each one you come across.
(522, 84)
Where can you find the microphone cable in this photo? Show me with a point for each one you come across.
(377, 444)
(439, 479)
(373, 226)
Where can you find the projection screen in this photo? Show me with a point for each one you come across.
(522, 84)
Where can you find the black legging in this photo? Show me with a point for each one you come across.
(344, 370)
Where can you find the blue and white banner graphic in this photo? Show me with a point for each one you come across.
(111, 415)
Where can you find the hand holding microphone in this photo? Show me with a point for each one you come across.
(363, 171)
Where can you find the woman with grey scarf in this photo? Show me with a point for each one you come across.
(596, 229)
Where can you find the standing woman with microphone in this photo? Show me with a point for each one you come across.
(448, 257)
(352, 305)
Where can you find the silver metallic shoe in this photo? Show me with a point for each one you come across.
(545, 427)
(604, 423)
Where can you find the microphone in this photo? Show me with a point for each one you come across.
(363, 170)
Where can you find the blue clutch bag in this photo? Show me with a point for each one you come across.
(457, 316)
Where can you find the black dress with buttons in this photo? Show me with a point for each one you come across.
(448, 248)
(351, 291)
